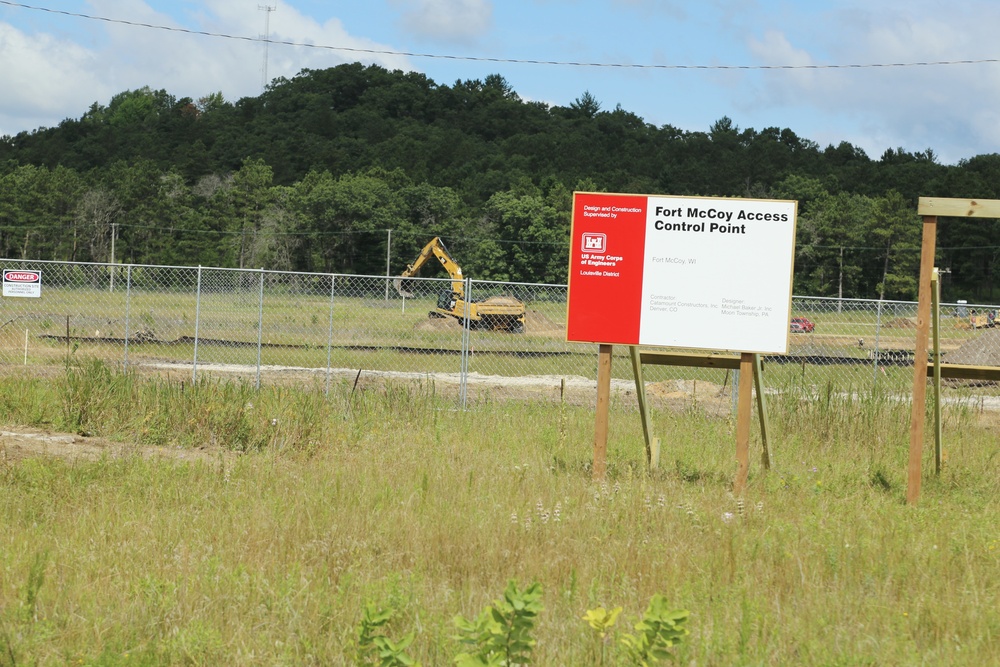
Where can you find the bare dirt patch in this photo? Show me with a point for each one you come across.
(683, 394)
(21, 442)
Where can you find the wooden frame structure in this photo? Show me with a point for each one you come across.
(750, 368)
(930, 208)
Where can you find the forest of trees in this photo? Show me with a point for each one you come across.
(312, 174)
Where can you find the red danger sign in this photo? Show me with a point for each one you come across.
(21, 277)
(21, 282)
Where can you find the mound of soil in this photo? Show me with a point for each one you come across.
(902, 323)
(983, 350)
(438, 324)
(537, 323)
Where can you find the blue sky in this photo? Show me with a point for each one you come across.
(56, 66)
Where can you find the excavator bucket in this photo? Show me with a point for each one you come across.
(401, 288)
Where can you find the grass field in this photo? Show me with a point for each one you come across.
(302, 508)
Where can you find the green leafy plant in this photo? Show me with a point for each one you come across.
(602, 620)
(375, 647)
(501, 635)
(657, 631)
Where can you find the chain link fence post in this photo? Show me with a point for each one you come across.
(463, 382)
(197, 326)
(128, 307)
(260, 325)
(329, 337)
(876, 353)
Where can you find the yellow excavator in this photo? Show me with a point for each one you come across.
(499, 313)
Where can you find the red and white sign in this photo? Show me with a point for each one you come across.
(684, 272)
(18, 282)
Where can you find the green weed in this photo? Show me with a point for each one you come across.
(502, 633)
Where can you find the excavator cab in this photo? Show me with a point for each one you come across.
(447, 301)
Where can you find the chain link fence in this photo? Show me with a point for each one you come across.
(268, 326)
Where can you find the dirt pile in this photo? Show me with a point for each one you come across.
(534, 323)
(537, 323)
(902, 323)
(983, 350)
(438, 324)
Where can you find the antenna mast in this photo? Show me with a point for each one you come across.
(267, 9)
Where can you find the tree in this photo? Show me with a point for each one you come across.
(37, 213)
(348, 218)
(96, 212)
(586, 105)
(536, 235)
(838, 225)
(897, 228)
(245, 201)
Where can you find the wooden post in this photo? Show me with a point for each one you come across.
(640, 393)
(936, 330)
(601, 424)
(758, 383)
(927, 249)
(654, 454)
(744, 409)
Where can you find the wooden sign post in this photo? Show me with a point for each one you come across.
(920, 357)
(603, 400)
(743, 414)
(930, 208)
(749, 367)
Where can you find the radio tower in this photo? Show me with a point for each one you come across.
(267, 9)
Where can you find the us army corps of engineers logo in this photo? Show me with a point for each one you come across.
(594, 242)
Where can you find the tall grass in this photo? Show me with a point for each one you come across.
(390, 495)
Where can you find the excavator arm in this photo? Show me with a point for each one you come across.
(437, 250)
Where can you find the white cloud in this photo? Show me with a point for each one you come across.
(41, 76)
(449, 20)
(911, 107)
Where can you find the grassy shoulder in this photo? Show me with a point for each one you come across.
(310, 507)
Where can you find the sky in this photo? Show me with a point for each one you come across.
(683, 63)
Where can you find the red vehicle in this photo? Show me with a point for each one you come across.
(802, 325)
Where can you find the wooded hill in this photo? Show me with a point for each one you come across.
(311, 174)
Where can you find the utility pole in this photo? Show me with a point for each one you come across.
(267, 9)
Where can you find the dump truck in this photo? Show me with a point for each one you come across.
(498, 313)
